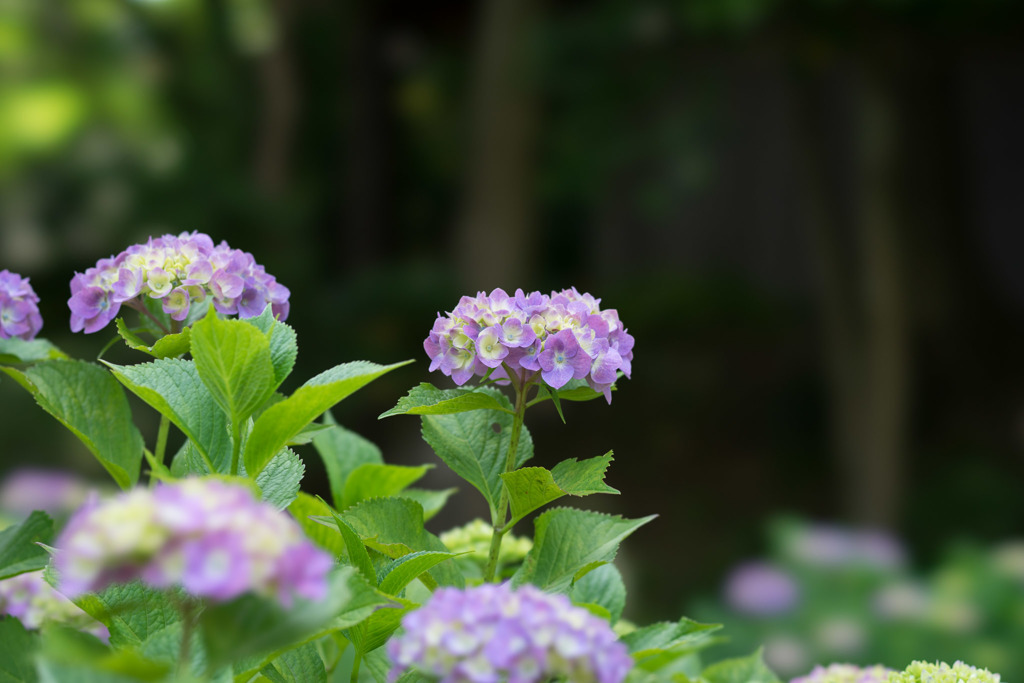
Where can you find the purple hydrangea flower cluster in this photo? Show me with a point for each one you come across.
(19, 307)
(54, 491)
(762, 589)
(34, 602)
(563, 336)
(179, 271)
(212, 538)
(495, 633)
(825, 545)
(846, 673)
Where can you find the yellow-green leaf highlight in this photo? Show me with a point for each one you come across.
(283, 420)
(532, 487)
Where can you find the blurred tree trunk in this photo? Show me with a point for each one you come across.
(368, 153)
(494, 236)
(862, 269)
(280, 99)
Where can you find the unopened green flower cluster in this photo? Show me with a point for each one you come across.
(940, 672)
(475, 538)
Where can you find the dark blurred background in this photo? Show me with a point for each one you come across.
(807, 212)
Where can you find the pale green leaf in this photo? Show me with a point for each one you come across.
(357, 554)
(398, 574)
(567, 540)
(432, 501)
(188, 460)
(656, 645)
(307, 434)
(80, 656)
(342, 451)
(531, 487)
(750, 669)
(17, 651)
(301, 665)
(284, 347)
(305, 506)
(603, 587)
(426, 399)
(279, 481)
(576, 390)
(394, 527)
(284, 420)
(173, 388)
(374, 631)
(18, 550)
(134, 613)
(379, 481)
(89, 402)
(378, 665)
(233, 361)
(475, 445)
(16, 351)
(168, 346)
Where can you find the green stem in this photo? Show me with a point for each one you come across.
(161, 438)
(236, 447)
(355, 667)
(188, 615)
(501, 520)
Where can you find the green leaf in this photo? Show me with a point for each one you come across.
(567, 541)
(394, 527)
(89, 402)
(16, 351)
(279, 481)
(750, 669)
(283, 420)
(426, 399)
(399, 573)
(134, 613)
(357, 554)
(18, 550)
(431, 501)
(306, 506)
(168, 346)
(251, 625)
(659, 644)
(17, 652)
(343, 451)
(378, 665)
(141, 620)
(379, 481)
(574, 390)
(475, 444)
(375, 630)
(188, 460)
(70, 656)
(531, 487)
(301, 665)
(603, 587)
(53, 671)
(233, 360)
(173, 388)
(307, 434)
(284, 347)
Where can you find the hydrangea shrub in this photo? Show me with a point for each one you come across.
(212, 564)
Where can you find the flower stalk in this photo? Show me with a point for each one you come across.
(500, 522)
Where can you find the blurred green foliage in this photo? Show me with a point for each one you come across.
(330, 138)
